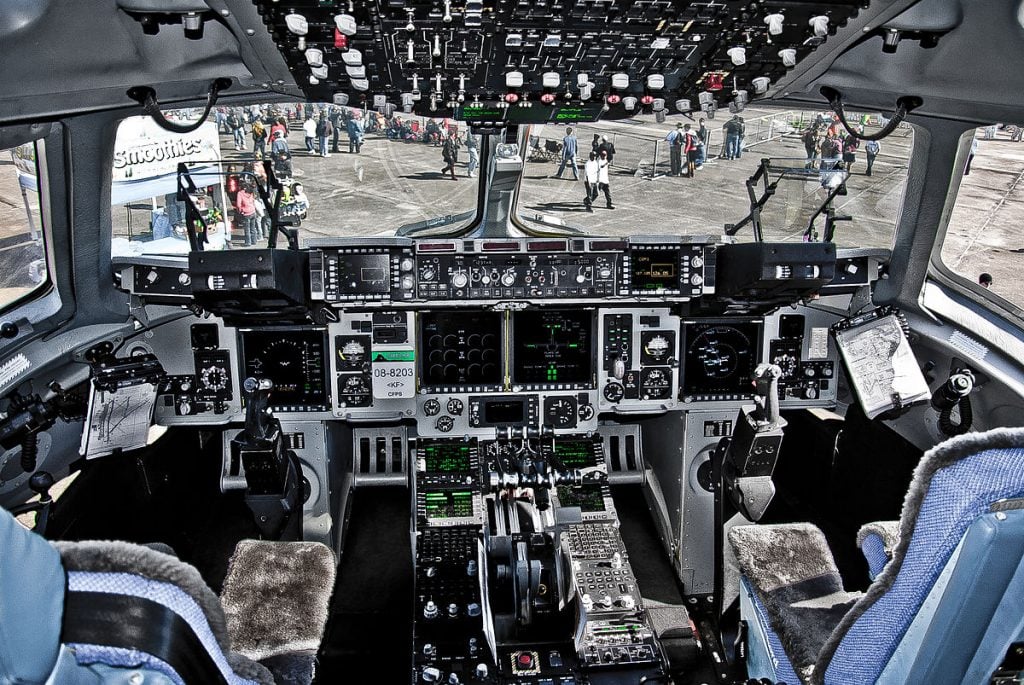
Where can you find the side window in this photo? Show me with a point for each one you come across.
(983, 241)
(22, 250)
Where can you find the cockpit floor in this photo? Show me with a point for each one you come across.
(370, 625)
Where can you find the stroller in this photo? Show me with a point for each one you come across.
(283, 166)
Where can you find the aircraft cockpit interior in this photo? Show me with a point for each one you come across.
(511, 342)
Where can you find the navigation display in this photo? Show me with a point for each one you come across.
(461, 348)
(553, 348)
(720, 359)
(294, 360)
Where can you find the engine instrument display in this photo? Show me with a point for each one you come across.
(720, 359)
(294, 360)
(553, 348)
(461, 349)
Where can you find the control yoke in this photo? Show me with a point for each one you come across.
(751, 453)
(271, 471)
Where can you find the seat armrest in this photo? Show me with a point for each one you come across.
(776, 556)
(877, 540)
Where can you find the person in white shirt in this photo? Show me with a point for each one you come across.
(309, 129)
(590, 179)
(602, 178)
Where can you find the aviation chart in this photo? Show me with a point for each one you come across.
(118, 420)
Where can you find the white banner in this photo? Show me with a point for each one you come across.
(144, 150)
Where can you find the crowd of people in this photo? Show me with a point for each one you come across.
(322, 127)
(826, 139)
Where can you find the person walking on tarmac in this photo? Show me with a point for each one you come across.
(603, 162)
(675, 149)
(450, 154)
(591, 173)
(690, 150)
(569, 148)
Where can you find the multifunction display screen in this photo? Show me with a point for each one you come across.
(655, 270)
(553, 348)
(446, 458)
(720, 358)
(448, 504)
(461, 348)
(295, 361)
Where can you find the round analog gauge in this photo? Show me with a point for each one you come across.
(214, 378)
(355, 385)
(586, 412)
(657, 348)
(787, 362)
(613, 392)
(560, 412)
(444, 423)
(454, 406)
(656, 378)
(720, 351)
(353, 352)
(431, 407)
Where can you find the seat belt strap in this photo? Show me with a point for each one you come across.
(130, 622)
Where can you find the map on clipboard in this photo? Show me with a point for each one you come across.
(122, 397)
(881, 366)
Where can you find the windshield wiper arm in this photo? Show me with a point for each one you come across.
(417, 227)
(559, 225)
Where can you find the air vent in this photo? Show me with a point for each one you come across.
(380, 456)
(12, 368)
(968, 345)
(622, 454)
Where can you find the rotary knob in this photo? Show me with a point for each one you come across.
(508, 278)
(696, 262)
(406, 264)
(430, 610)
(696, 279)
(460, 280)
(428, 273)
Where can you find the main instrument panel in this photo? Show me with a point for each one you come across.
(483, 336)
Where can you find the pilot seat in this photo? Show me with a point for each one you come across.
(100, 612)
(947, 600)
